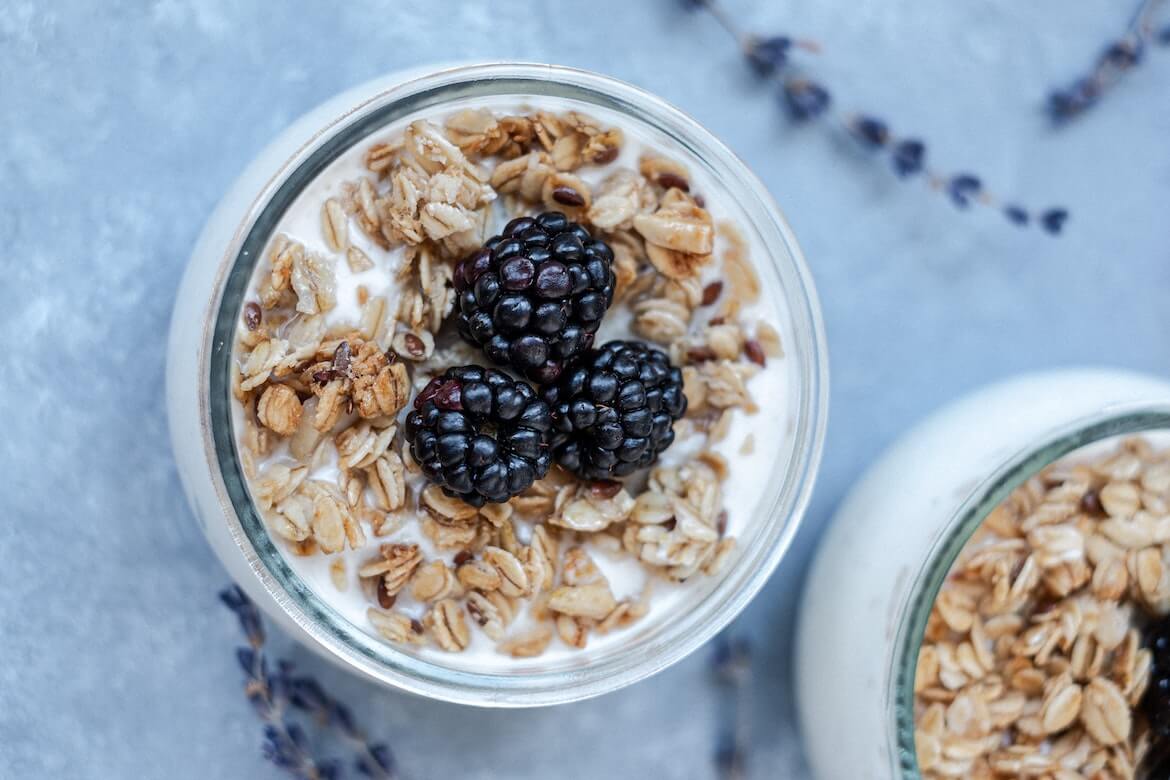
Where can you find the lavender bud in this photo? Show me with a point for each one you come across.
(805, 99)
(1164, 36)
(1067, 103)
(1053, 220)
(1016, 215)
(1122, 54)
(731, 762)
(259, 701)
(296, 734)
(382, 764)
(280, 749)
(768, 55)
(341, 716)
(251, 625)
(247, 658)
(307, 694)
(732, 658)
(278, 686)
(233, 597)
(383, 756)
(908, 157)
(962, 188)
(871, 131)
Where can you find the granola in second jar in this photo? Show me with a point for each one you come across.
(1034, 662)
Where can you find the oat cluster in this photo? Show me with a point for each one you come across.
(317, 393)
(1032, 664)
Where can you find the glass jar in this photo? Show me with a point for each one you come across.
(199, 366)
(893, 540)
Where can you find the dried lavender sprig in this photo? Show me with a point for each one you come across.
(732, 664)
(767, 54)
(805, 99)
(307, 695)
(273, 694)
(1118, 58)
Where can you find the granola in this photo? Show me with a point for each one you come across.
(1032, 663)
(323, 381)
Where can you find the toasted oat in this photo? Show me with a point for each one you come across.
(447, 625)
(589, 513)
(338, 574)
(492, 612)
(446, 507)
(396, 566)
(397, 627)
(279, 410)
(449, 534)
(335, 226)
(313, 281)
(527, 644)
(434, 581)
(387, 479)
(261, 361)
(590, 601)
(621, 196)
(358, 260)
(478, 574)
(680, 235)
(513, 580)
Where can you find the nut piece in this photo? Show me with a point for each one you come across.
(279, 410)
(447, 625)
(666, 173)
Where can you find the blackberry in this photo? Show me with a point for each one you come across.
(479, 434)
(614, 412)
(534, 295)
(1156, 702)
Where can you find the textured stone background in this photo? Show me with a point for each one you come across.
(120, 129)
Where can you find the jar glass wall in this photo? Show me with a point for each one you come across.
(211, 467)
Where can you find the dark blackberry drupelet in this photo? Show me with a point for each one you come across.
(479, 434)
(1156, 702)
(614, 412)
(533, 297)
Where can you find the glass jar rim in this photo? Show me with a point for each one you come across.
(1118, 420)
(373, 657)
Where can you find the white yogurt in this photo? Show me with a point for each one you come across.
(750, 474)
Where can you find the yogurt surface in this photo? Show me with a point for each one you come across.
(756, 445)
